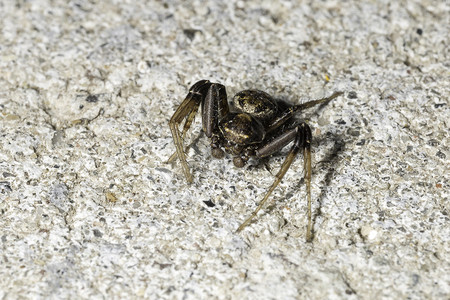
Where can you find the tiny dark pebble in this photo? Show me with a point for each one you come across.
(402, 229)
(5, 187)
(91, 98)
(440, 154)
(190, 33)
(419, 31)
(361, 142)
(209, 203)
(353, 132)
(97, 233)
(438, 105)
(433, 142)
(352, 95)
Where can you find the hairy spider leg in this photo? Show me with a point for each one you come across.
(302, 135)
(288, 113)
(187, 125)
(307, 167)
(189, 119)
(214, 107)
(187, 109)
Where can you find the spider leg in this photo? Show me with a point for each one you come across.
(187, 109)
(288, 113)
(187, 125)
(302, 140)
(307, 167)
(214, 106)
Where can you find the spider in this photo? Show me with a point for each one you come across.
(256, 125)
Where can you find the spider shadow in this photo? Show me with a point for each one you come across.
(332, 158)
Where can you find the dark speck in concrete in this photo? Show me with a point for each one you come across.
(352, 95)
(209, 203)
(92, 98)
(97, 233)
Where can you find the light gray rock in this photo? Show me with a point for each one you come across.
(90, 208)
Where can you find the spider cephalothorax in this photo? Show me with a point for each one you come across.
(256, 126)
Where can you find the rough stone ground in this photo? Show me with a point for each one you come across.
(90, 209)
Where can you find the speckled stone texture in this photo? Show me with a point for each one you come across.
(90, 209)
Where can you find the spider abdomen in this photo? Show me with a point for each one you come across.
(256, 103)
(242, 129)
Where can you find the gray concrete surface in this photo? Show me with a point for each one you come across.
(89, 208)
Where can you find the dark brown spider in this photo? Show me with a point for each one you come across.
(257, 126)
